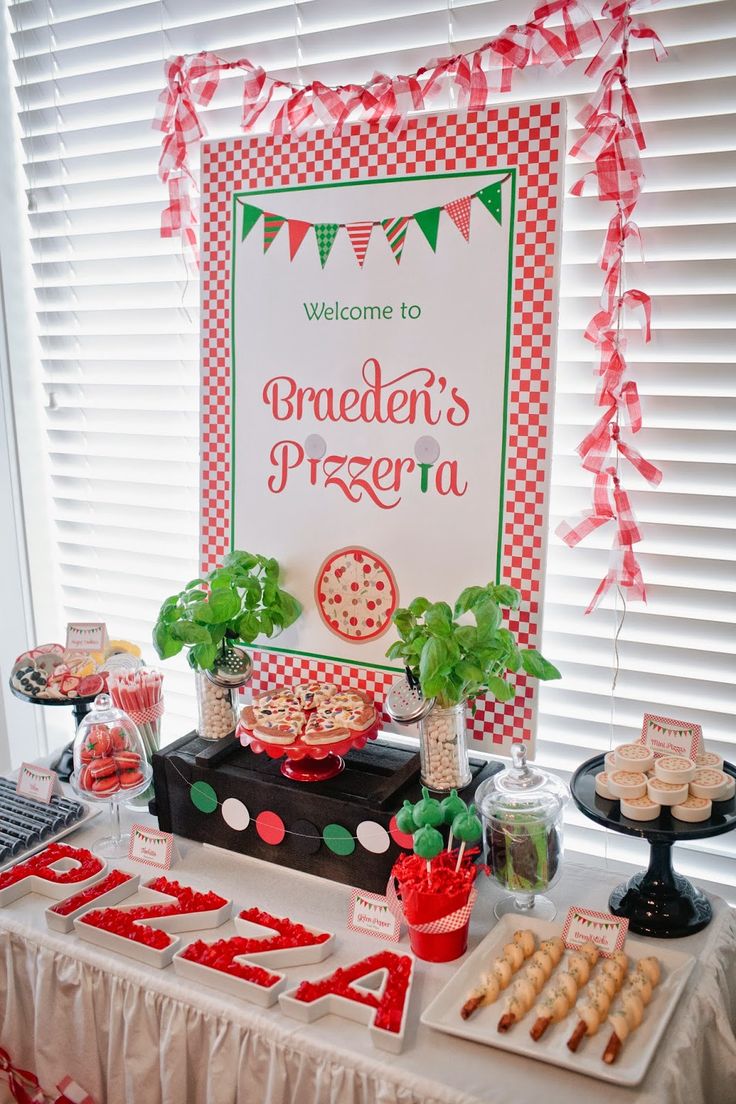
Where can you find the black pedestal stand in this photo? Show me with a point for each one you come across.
(657, 901)
(64, 765)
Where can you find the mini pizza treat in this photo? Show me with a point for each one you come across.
(629, 1011)
(666, 793)
(634, 757)
(500, 972)
(708, 782)
(314, 713)
(674, 768)
(627, 783)
(693, 810)
(709, 759)
(640, 808)
(312, 694)
(601, 786)
(729, 788)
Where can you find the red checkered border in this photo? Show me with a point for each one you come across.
(526, 137)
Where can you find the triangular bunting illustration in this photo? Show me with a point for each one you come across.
(491, 198)
(359, 234)
(251, 216)
(297, 234)
(271, 226)
(428, 222)
(396, 233)
(325, 232)
(459, 212)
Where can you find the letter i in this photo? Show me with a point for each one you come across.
(427, 451)
(314, 447)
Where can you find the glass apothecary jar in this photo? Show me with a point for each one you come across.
(443, 751)
(521, 809)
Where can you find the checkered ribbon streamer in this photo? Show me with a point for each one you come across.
(149, 715)
(191, 83)
(25, 1088)
(612, 137)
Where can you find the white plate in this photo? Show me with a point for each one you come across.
(443, 1013)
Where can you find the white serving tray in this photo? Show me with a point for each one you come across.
(172, 925)
(114, 896)
(334, 1004)
(90, 811)
(269, 960)
(443, 1013)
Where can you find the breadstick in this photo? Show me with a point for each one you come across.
(561, 996)
(593, 1006)
(636, 993)
(524, 992)
(499, 975)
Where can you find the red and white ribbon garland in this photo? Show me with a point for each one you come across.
(25, 1088)
(191, 82)
(612, 137)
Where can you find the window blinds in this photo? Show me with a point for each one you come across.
(117, 323)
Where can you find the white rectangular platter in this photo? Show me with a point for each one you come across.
(443, 1013)
(90, 812)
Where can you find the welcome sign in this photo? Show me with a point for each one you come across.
(377, 371)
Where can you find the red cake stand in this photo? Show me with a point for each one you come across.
(307, 762)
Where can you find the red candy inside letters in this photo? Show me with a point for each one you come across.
(126, 922)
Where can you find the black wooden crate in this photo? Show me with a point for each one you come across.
(373, 785)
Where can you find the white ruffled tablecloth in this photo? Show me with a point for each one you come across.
(134, 1035)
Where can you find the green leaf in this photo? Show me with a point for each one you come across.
(201, 612)
(165, 644)
(438, 619)
(501, 690)
(270, 593)
(244, 561)
(537, 666)
(467, 636)
(469, 599)
(248, 627)
(204, 655)
(190, 633)
(469, 671)
(418, 606)
(506, 595)
(189, 597)
(396, 651)
(272, 570)
(487, 616)
(289, 608)
(217, 632)
(432, 660)
(224, 604)
(220, 579)
(404, 621)
(265, 623)
(194, 583)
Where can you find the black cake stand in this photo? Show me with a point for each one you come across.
(657, 901)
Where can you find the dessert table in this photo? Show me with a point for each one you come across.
(127, 1032)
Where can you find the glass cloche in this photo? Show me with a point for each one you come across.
(109, 765)
(521, 808)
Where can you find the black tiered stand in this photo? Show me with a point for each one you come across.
(658, 901)
(64, 764)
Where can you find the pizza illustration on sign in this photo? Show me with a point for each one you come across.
(356, 594)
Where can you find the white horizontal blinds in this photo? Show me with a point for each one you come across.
(118, 327)
(677, 655)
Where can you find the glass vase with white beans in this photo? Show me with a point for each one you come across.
(214, 618)
(452, 655)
